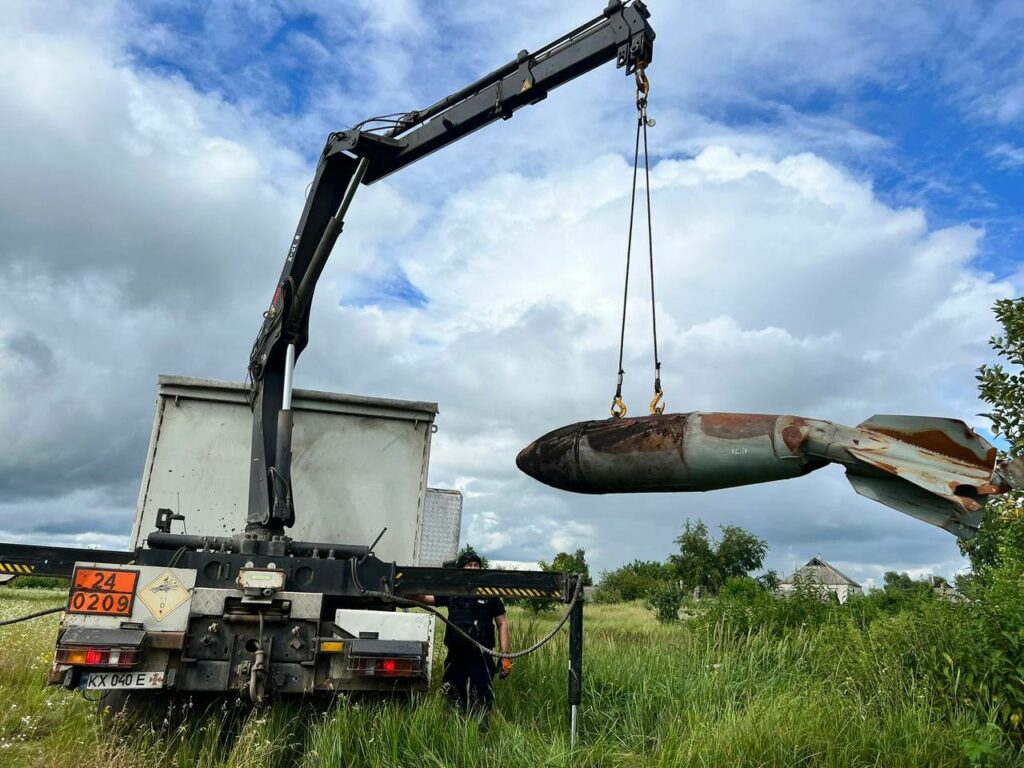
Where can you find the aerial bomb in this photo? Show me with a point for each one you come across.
(937, 470)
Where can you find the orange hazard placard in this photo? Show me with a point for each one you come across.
(105, 591)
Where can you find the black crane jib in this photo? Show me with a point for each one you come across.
(361, 155)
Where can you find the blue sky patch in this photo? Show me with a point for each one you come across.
(393, 291)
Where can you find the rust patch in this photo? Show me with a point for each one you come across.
(643, 434)
(737, 426)
(892, 469)
(939, 442)
(793, 436)
(990, 489)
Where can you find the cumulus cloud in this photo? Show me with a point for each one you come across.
(784, 287)
(145, 218)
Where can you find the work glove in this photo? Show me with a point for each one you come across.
(506, 668)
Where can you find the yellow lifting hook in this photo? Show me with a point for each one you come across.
(619, 408)
(656, 409)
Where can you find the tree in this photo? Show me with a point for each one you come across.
(574, 563)
(637, 580)
(563, 563)
(1003, 391)
(696, 564)
(893, 580)
(770, 580)
(707, 564)
(997, 552)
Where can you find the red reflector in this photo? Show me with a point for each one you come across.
(92, 656)
(385, 667)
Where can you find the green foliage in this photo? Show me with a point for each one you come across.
(744, 607)
(894, 580)
(985, 747)
(574, 563)
(563, 563)
(637, 580)
(996, 669)
(967, 656)
(996, 665)
(665, 601)
(39, 582)
(708, 564)
(681, 694)
(770, 580)
(1004, 390)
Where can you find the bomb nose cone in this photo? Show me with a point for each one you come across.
(551, 459)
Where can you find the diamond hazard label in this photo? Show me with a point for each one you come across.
(163, 595)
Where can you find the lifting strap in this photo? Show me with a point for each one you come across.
(619, 408)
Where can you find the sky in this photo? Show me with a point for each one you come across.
(837, 202)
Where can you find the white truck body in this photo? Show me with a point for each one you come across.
(359, 464)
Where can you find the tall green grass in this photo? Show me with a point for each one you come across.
(689, 694)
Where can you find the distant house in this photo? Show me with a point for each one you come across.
(513, 565)
(942, 588)
(823, 576)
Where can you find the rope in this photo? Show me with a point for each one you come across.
(483, 648)
(35, 615)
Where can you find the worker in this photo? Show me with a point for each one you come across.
(468, 671)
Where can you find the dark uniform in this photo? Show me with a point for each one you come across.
(468, 671)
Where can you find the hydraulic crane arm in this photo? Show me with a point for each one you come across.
(361, 155)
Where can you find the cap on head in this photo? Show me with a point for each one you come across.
(467, 557)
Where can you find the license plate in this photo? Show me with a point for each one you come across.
(105, 681)
(103, 591)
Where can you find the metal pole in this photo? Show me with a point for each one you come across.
(289, 369)
(575, 668)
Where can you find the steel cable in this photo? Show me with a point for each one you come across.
(617, 400)
(650, 255)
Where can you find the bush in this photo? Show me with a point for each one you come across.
(638, 580)
(666, 602)
(39, 582)
(745, 607)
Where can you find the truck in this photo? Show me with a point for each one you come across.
(200, 638)
(297, 545)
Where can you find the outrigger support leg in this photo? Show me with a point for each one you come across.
(575, 668)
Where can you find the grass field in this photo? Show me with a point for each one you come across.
(677, 695)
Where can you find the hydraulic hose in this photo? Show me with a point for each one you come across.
(483, 648)
(35, 615)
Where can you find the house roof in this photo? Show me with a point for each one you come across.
(817, 571)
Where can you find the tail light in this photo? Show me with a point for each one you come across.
(117, 658)
(384, 667)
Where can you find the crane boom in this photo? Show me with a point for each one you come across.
(363, 156)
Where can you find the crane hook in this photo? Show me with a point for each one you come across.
(656, 409)
(643, 85)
